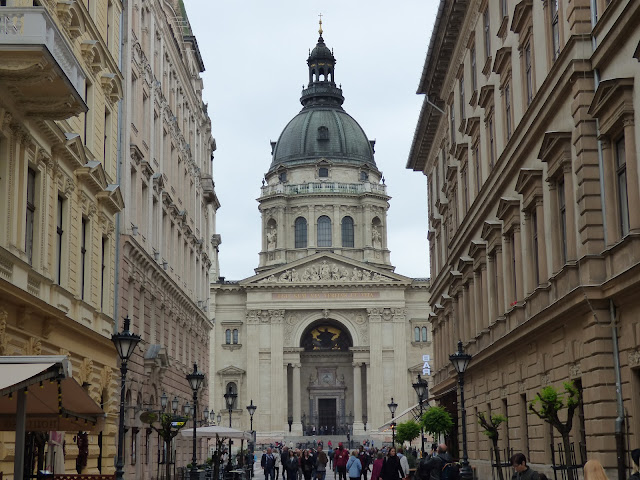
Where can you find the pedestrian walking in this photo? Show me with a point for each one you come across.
(521, 470)
(284, 458)
(340, 459)
(330, 454)
(391, 468)
(276, 464)
(365, 460)
(439, 466)
(268, 463)
(291, 465)
(321, 464)
(306, 464)
(635, 457)
(376, 469)
(404, 463)
(354, 467)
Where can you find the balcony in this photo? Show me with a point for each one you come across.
(324, 188)
(38, 66)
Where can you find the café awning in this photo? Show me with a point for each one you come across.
(40, 380)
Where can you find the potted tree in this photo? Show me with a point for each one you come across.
(491, 425)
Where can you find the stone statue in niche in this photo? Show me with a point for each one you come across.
(376, 237)
(272, 238)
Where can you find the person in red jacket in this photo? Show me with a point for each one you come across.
(340, 459)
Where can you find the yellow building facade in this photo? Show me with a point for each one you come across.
(60, 92)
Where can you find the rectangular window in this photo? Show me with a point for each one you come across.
(416, 334)
(465, 191)
(31, 213)
(462, 102)
(621, 177)
(513, 266)
(83, 255)
(106, 145)
(492, 146)
(555, 29)
(476, 162)
(452, 117)
(562, 216)
(88, 99)
(424, 334)
(528, 73)
(507, 108)
(524, 436)
(474, 70)
(487, 33)
(534, 247)
(103, 270)
(59, 239)
(504, 9)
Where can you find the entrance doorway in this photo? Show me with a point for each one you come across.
(327, 412)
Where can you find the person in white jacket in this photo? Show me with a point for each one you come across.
(404, 463)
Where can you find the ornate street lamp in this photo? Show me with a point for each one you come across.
(219, 418)
(460, 361)
(392, 408)
(230, 398)
(195, 380)
(164, 400)
(251, 408)
(422, 390)
(125, 344)
(174, 405)
(205, 415)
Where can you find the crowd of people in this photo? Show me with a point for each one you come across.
(389, 463)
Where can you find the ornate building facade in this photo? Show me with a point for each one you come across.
(60, 88)
(528, 140)
(325, 333)
(167, 242)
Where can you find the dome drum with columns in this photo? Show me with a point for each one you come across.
(324, 331)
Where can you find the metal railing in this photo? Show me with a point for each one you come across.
(323, 187)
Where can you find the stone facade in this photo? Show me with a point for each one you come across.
(59, 96)
(166, 230)
(325, 333)
(528, 142)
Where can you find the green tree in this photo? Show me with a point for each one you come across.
(550, 402)
(167, 426)
(407, 431)
(437, 421)
(491, 426)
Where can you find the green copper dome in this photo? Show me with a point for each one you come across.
(322, 129)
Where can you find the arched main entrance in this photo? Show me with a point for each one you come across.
(327, 377)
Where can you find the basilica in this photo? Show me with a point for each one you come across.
(326, 333)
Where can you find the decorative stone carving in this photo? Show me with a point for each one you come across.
(86, 369)
(327, 272)
(33, 347)
(272, 238)
(376, 237)
(575, 371)
(545, 379)
(634, 358)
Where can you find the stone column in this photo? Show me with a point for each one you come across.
(285, 390)
(358, 425)
(475, 307)
(517, 248)
(570, 211)
(633, 195)
(311, 228)
(556, 226)
(377, 406)
(297, 394)
(336, 229)
(509, 290)
(466, 329)
(543, 275)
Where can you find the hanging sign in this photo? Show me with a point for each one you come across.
(426, 368)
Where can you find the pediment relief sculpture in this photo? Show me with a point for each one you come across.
(327, 272)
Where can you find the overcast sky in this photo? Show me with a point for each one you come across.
(255, 54)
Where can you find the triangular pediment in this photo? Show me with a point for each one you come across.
(326, 269)
(231, 371)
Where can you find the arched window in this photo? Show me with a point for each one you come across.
(227, 337)
(301, 232)
(233, 388)
(324, 231)
(416, 334)
(424, 334)
(235, 336)
(347, 232)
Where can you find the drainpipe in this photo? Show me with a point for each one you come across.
(124, 25)
(619, 423)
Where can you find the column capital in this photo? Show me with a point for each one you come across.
(296, 365)
(357, 364)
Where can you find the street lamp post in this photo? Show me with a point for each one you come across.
(230, 398)
(251, 408)
(392, 408)
(125, 344)
(460, 361)
(195, 380)
(422, 390)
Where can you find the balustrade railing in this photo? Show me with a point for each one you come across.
(323, 187)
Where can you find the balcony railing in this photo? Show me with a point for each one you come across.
(323, 188)
(37, 59)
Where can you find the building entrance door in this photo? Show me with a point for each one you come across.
(327, 413)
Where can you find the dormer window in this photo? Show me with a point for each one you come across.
(364, 176)
(323, 172)
(323, 133)
(282, 176)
